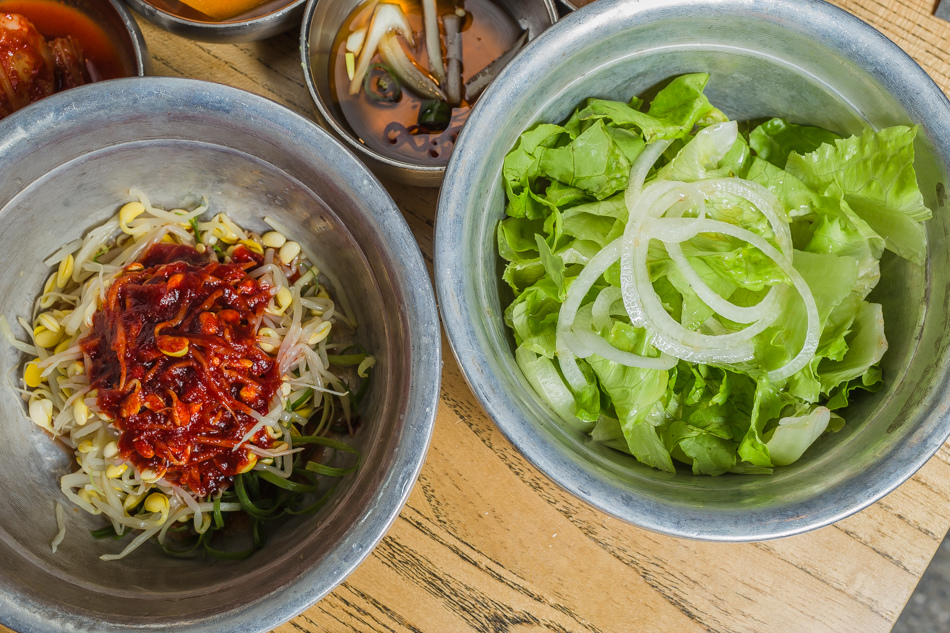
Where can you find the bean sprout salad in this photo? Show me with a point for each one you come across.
(196, 370)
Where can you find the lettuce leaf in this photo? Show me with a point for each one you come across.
(866, 346)
(793, 435)
(672, 113)
(593, 162)
(874, 173)
(775, 139)
(635, 394)
(547, 381)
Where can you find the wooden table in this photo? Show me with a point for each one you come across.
(486, 543)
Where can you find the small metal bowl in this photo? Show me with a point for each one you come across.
(68, 162)
(267, 20)
(321, 24)
(119, 26)
(801, 59)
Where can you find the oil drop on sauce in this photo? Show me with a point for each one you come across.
(488, 31)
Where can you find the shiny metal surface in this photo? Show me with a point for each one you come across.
(321, 23)
(267, 20)
(128, 40)
(805, 60)
(68, 162)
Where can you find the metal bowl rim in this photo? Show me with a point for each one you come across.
(143, 60)
(259, 27)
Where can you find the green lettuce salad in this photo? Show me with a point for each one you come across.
(691, 289)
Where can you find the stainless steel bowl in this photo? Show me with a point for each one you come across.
(801, 59)
(267, 20)
(68, 161)
(120, 27)
(322, 22)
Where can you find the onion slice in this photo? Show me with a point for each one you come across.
(763, 200)
(433, 43)
(657, 212)
(670, 336)
(600, 311)
(387, 18)
(655, 196)
(679, 230)
(640, 168)
(392, 54)
(585, 344)
(571, 344)
(568, 312)
(768, 308)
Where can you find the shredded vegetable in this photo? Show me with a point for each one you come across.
(387, 18)
(433, 44)
(392, 53)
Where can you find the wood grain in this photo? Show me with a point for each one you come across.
(487, 544)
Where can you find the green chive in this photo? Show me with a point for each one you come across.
(346, 360)
(285, 483)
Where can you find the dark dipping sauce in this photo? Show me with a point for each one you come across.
(54, 19)
(173, 352)
(487, 32)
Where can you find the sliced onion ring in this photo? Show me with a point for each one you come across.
(641, 167)
(572, 302)
(669, 336)
(767, 308)
(568, 342)
(585, 344)
(600, 311)
(763, 200)
(647, 207)
(678, 230)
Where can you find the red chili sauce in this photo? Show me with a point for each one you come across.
(173, 352)
(55, 19)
